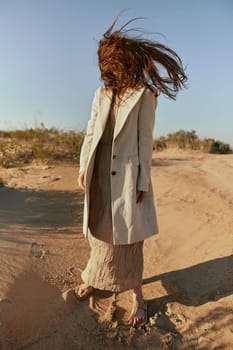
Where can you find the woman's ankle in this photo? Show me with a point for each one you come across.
(137, 292)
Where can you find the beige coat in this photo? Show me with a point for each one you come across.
(130, 165)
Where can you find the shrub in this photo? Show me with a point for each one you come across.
(190, 140)
(22, 146)
(18, 147)
(220, 147)
(160, 144)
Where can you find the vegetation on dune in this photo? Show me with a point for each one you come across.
(189, 140)
(18, 147)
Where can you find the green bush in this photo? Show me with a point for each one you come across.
(189, 140)
(220, 147)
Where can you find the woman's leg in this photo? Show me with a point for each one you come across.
(139, 308)
(138, 292)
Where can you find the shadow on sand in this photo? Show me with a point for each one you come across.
(31, 210)
(170, 161)
(195, 285)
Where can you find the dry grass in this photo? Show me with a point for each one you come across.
(190, 140)
(18, 147)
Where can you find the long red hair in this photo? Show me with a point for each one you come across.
(131, 62)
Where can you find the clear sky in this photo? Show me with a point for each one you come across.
(49, 71)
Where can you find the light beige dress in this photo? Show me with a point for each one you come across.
(110, 267)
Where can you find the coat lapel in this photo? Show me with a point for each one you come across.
(105, 104)
(129, 100)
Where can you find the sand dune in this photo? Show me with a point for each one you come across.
(188, 277)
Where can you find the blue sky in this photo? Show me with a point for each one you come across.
(49, 71)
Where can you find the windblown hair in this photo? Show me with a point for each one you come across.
(131, 62)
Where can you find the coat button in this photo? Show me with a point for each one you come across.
(114, 156)
(113, 172)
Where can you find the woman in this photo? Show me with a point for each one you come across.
(115, 162)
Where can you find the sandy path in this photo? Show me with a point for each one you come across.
(188, 280)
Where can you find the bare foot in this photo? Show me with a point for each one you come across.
(139, 312)
(138, 318)
(83, 291)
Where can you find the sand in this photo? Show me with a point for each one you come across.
(188, 273)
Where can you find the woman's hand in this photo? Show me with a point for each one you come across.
(140, 196)
(81, 180)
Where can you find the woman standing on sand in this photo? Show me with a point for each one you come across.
(115, 162)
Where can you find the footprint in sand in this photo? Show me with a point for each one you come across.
(37, 251)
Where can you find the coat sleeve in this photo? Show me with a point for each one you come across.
(85, 150)
(146, 120)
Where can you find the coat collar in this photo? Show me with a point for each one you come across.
(129, 100)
